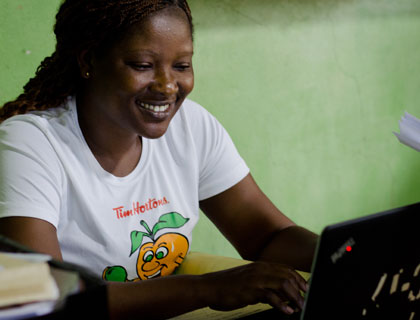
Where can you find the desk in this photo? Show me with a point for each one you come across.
(269, 314)
(272, 314)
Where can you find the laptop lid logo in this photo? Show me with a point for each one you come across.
(405, 292)
(346, 247)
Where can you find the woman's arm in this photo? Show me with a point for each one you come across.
(36, 234)
(157, 299)
(260, 232)
(173, 295)
(257, 229)
(223, 290)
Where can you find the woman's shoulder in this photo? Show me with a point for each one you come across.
(20, 127)
(40, 119)
(195, 114)
(196, 122)
(35, 124)
(195, 108)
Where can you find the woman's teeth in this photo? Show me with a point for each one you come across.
(154, 108)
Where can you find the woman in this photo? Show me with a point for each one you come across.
(105, 163)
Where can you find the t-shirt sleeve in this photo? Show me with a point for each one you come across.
(220, 165)
(30, 175)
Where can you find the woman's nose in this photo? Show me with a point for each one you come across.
(164, 83)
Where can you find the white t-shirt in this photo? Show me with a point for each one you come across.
(142, 222)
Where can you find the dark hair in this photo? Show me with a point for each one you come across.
(81, 25)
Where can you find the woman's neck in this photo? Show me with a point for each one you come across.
(118, 152)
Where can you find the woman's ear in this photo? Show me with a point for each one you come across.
(84, 59)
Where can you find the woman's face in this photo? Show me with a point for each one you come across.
(140, 84)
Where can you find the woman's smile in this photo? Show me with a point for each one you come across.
(158, 111)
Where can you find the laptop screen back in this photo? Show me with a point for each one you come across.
(368, 268)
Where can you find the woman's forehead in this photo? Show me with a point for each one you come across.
(166, 20)
(160, 28)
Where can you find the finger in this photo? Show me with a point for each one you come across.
(277, 302)
(289, 272)
(302, 283)
(291, 291)
(288, 285)
(288, 290)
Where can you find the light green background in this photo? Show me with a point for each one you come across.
(310, 92)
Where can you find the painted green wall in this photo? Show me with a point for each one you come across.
(310, 92)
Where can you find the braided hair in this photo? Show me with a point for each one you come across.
(81, 25)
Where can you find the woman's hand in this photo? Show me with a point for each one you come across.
(272, 283)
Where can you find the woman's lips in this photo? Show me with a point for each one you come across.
(156, 111)
(155, 108)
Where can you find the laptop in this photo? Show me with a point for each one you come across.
(365, 268)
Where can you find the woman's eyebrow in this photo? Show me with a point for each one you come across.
(141, 51)
(153, 53)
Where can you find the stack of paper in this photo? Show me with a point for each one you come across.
(24, 281)
(409, 131)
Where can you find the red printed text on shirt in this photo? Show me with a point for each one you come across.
(137, 208)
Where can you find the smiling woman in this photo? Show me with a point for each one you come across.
(135, 88)
(103, 156)
(150, 70)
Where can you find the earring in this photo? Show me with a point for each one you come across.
(87, 75)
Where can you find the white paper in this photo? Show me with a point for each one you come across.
(28, 310)
(26, 304)
(409, 131)
(34, 257)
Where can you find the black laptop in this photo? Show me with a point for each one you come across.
(368, 268)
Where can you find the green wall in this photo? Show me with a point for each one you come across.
(310, 92)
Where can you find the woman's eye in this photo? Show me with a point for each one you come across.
(141, 66)
(182, 67)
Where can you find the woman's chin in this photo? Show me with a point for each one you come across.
(153, 131)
